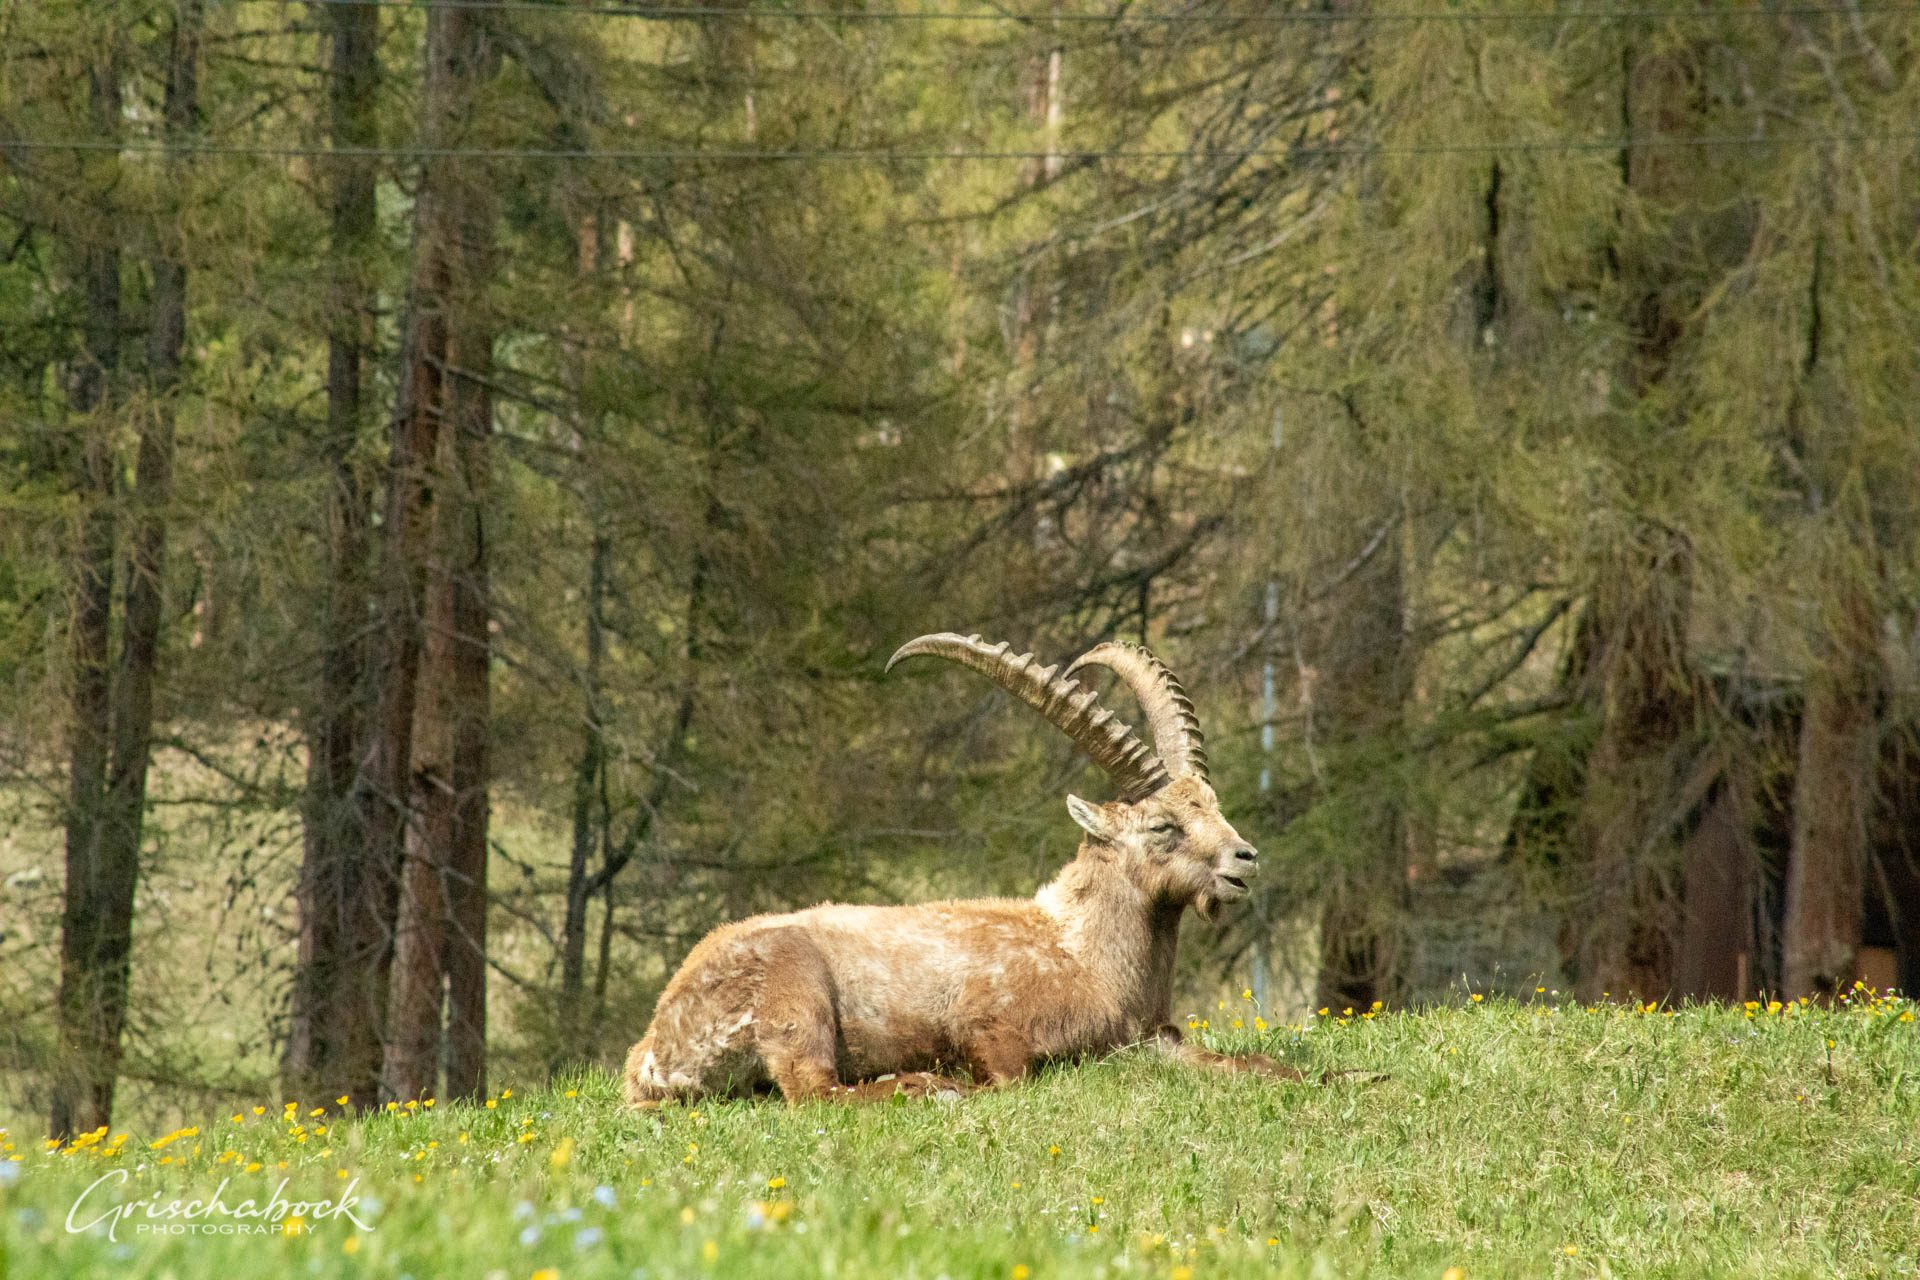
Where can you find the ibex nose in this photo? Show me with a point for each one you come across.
(1245, 852)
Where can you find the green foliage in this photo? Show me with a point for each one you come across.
(1373, 320)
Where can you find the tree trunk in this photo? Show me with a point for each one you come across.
(420, 931)
(1717, 950)
(1624, 928)
(89, 1027)
(440, 929)
(1358, 683)
(330, 979)
(587, 783)
(1832, 798)
(470, 677)
(97, 933)
(1033, 313)
(1625, 921)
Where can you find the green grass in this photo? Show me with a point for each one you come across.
(1510, 1140)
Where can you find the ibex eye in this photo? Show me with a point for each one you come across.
(1161, 828)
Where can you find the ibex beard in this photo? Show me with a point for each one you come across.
(858, 1002)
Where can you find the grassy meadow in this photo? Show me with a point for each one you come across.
(1510, 1139)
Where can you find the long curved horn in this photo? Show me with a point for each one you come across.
(1170, 714)
(1074, 711)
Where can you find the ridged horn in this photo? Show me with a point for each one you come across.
(1071, 709)
(1170, 714)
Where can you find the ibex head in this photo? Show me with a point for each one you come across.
(1165, 832)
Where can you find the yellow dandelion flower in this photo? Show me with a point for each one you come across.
(350, 1246)
(492, 1103)
(573, 1093)
(294, 1226)
(254, 1167)
(1454, 1273)
(259, 1111)
(236, 1117)
(710, 1251)
(1020, 1272)
(1053, 1151)
(1182, 1273)
(1477, 997)
(776, 1183)
(1099, 1200)
(1247, 994)
(1571, 1250)
(561, 1153)
(1272, 1241)
(506, 1093)
(546, 1273)
(686, 1216)
(1016, 1186)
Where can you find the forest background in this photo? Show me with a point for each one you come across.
(467, 464)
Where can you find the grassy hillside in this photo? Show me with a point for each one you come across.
(1510, 1140)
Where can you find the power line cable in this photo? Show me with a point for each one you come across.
(885, 155)
(1266, 17)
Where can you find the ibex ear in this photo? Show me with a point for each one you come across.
(1092, 818)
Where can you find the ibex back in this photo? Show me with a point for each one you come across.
(856, 1001)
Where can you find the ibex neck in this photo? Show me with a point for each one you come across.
(1125, 939)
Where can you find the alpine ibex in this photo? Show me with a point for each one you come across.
(818, 1001)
